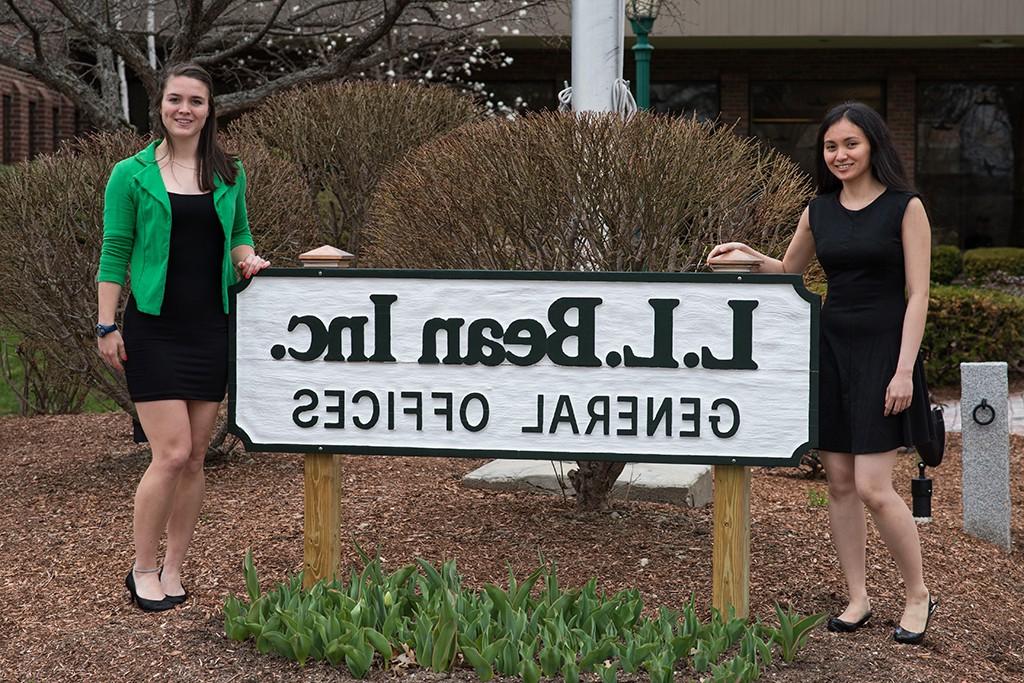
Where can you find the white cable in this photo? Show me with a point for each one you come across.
(622, 99)
(565, 98)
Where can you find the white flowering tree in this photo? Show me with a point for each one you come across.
(89, 49)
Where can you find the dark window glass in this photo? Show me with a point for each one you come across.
(8, 102)
(686, 98)
(969, 145)
(56, 128)
(522, 96)
(786, 114)
(33, 130)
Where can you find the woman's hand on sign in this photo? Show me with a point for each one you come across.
(251, 264)
(898, 393)
(111, 348)
(725, 248)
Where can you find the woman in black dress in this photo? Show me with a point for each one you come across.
(176, 213)
(871, 235)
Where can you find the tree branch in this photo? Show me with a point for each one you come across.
(336, 68)
(133, 57)
(37, 40)
(241, 47)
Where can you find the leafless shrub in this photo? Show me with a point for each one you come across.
(51, 226)
(344, 136)
(557, 192)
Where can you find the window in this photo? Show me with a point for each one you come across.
(686, 98)
(33, 130)
(55, 118)
(8, 115)
(522, 96)
(786, 114)
(968, 143)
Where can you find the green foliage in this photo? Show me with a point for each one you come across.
(982, 264)
(528, 629)
(793, 631)
(947, 263)
(968, 324)
(817, 499)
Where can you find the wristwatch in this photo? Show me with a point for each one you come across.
(103, 330)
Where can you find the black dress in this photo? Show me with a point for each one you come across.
(183, 352)
(862, 325)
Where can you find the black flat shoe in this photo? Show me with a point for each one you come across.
(174, 599)
(145, 604)
(902, 635)
(837, 625)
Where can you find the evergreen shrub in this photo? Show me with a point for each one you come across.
(947, 263)
(988, 262)
(967, 324)
(344, 136)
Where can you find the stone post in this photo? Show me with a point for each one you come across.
(986, 452)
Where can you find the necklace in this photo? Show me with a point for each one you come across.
(181, 165)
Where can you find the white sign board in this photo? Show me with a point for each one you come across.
(643, 367)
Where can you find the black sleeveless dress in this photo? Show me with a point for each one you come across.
(183, 352)
(862, 325)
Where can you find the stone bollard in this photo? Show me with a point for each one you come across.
(986, 451)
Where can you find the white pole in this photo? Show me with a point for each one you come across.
(598, 28)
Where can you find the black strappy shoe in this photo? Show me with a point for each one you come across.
(145, 604)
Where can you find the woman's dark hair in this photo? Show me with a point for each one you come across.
(213, 160)
(886, 166)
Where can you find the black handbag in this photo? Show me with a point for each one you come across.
(932, 450)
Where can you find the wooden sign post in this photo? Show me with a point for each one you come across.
(321, 520)
(730, 554)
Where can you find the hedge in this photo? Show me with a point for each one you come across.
(947, 263)
(981, 264)
(967, 324)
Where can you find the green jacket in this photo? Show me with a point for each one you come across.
(137, 228)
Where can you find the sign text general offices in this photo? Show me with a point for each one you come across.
(632, 366)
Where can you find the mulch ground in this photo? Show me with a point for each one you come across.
(65, 533)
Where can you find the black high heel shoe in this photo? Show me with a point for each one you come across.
(837, 625)
(902, 635)
(174, 599)
(145, 604)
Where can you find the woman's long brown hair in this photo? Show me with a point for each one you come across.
(213, 160)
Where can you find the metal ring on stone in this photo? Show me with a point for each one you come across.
(981, 407)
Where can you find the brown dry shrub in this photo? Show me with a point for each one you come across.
(51, 227)
(557, 192)
(344, 136)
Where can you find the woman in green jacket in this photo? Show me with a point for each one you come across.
(174, 214)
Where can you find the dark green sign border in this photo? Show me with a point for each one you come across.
(757, 278)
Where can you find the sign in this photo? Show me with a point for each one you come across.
(643, 367)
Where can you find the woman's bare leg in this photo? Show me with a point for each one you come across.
(188, 497)
(896, 525)
(167, 426)
(849, 534)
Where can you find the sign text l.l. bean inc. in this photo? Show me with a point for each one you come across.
(642, 367)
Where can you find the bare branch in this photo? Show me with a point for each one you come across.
(37, 40)
(247, 43)
(133, 57)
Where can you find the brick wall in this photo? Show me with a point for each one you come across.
(26, 95)
(900, 114)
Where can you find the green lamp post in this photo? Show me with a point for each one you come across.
(641, 15)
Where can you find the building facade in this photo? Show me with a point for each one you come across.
(948, 76)
(33, 118)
